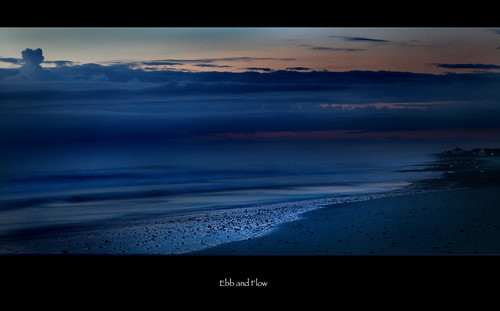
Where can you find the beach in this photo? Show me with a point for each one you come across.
(165, 235)
(456, 213)
(461, 221)
(453, 212)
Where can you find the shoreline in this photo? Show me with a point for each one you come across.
(454, 214)
(213, 232)
(429, 223)
(180, 234)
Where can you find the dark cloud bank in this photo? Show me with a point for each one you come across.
(468, 66)
(72, 103)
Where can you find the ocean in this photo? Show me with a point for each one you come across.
(66, 187)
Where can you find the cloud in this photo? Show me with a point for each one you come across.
(31, 69)
(298, 68)
(232, 59)
(158, 63)
(99, 78)
(20, 61)
(361, 39)
(266, 69)
(11, 60)
(325, 48)
(467, 66)
(32, 60)
(352, 87)
(32, 57)
(212, 66)
(59, 62)
(124, 103)
(202, 62)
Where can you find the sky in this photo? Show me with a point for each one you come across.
(237, 49)
(77, 86)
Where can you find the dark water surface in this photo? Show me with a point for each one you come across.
(78, 186)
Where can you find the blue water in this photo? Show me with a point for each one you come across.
(191, 178)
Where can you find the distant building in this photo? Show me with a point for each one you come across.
(478, 152)
(483, 152)
(455, 152)
(492, 152)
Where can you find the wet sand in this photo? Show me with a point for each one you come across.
(460, 221)
(165, 235)
(458, 213)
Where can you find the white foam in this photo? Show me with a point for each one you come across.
(199, 230)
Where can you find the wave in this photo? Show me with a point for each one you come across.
(65, 177)
(74, 196)
(100, 196)
(137, 174)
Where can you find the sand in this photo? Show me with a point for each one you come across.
(165, 235)
(458, 213)
(460, 221)
(428, 222)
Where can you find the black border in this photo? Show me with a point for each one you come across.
(163, 279)
(182, 280)
(249, 14)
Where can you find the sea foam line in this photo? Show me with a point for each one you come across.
(199, 230)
